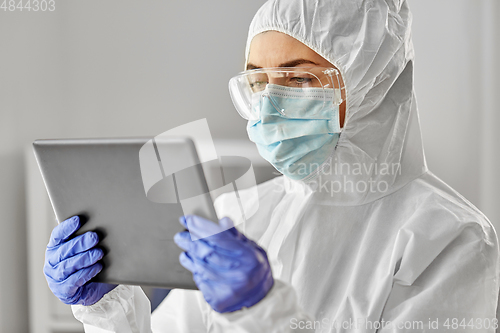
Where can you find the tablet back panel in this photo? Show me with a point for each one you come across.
(100, 180)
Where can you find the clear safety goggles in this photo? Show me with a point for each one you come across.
(283, 84)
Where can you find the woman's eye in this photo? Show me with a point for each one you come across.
(258, 85)
(300, 80)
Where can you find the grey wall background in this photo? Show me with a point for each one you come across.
(125, 68)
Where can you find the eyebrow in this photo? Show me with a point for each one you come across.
(291, 63)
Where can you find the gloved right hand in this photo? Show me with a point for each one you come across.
(69, 265)
(230, 270)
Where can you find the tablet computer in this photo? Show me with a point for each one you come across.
(131, 191)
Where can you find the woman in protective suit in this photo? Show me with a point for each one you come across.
(358, 235)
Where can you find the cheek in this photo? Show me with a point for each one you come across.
(342, 113)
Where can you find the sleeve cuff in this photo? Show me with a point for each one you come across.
(120, 291)
(124, 306)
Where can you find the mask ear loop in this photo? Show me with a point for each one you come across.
(273, 102)
(337, 100)
(337, 92)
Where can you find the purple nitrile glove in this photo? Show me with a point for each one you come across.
(69, 265)
(230, 270)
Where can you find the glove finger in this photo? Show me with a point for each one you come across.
(187, 262)
(226, 223)
(220, 296)
(231, 242)
(229, 247)
(228, 241)
(69, 291)
(69, 266)
(83, 276)
(204, 252)
(68, 294)
(74, 246)
(182, 220)
(63, 231)
(183, 240)
(197, 248)
(227, 235)
(205, 270)
(221, 261)
(201, 268)
(210, 272)
(200, 227)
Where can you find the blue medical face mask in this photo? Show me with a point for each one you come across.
(300, 134)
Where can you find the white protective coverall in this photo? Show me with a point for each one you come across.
(373, 238)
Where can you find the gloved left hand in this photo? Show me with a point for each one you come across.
(230, 270)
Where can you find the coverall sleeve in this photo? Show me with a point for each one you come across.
(126, 309)
(454, 289)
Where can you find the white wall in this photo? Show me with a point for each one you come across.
(457, 86)
(120, 68)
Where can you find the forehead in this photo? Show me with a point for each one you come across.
(272, 48)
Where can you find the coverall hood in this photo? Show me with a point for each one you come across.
(380, 149)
